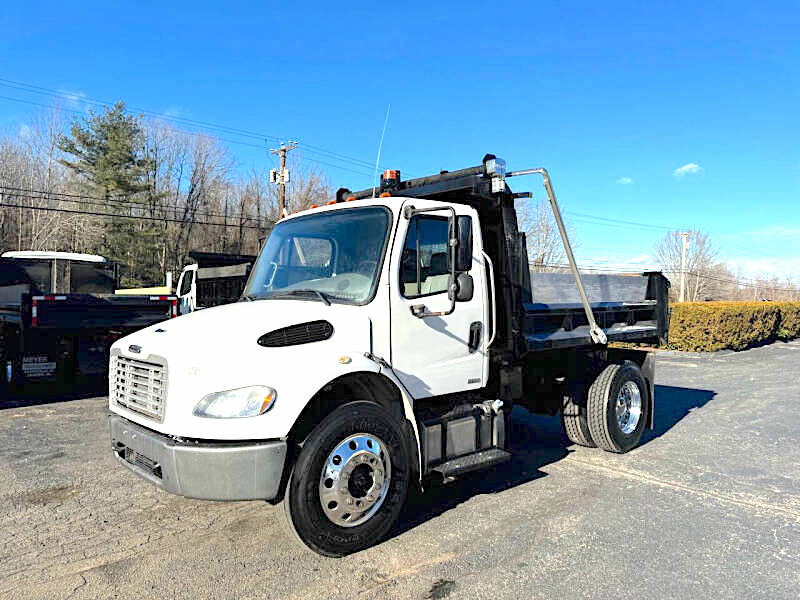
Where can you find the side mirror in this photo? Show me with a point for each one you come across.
(464, 248)
(464, 288)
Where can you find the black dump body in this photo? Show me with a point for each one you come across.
(629, 308)
(221, 278)
(220, 259)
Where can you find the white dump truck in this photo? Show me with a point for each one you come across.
(381, 340)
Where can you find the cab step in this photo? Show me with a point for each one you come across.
(472, 462)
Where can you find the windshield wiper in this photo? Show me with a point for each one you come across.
(322, 296)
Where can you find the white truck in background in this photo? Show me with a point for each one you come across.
(381, 341)
(212, 279)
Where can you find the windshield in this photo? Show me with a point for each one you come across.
(336, 253)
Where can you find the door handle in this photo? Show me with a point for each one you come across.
(474, 336)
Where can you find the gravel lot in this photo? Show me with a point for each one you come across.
(707, 507)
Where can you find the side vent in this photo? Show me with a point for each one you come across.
(305, 333)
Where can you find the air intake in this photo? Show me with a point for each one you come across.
(305, 333)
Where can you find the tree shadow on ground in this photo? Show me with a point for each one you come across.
(535, 441)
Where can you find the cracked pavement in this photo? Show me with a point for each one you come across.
(708, 506)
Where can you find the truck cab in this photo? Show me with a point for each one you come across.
(381, 339)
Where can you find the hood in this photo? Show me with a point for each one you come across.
(217, 349)
(239, 324)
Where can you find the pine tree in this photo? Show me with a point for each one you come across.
(108, 153)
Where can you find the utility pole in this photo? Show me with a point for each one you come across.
(685, 237)
(281, 178)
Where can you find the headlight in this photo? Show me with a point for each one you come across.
(244, 402)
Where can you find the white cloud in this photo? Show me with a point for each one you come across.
(624, 181)
(24, 132)
(760, 267)
(621, 262)
(687, 169)
(778, 231)
(642, 259)
(74, 99)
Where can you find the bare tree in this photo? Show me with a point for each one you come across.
(34, 181)
(307, 187)
(701, 259)
(545, 248)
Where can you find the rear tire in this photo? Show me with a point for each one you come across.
(617, 407)
(575, 421)
(349, 482)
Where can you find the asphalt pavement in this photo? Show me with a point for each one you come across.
(707, 507)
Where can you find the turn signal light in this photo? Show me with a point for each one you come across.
(329, 202)
(386, 195)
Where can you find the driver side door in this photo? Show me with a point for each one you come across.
(435, 355)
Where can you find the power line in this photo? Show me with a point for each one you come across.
(32, 194)
(176, 119)
(738, 283)
(618, 222)
(139, 217)
(222, 139)
(609, 222)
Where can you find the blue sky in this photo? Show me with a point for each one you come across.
(613, 98)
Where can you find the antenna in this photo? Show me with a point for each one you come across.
(380, 146)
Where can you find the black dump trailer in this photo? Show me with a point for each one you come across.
(59, 316)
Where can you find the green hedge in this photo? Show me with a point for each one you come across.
(711, 326)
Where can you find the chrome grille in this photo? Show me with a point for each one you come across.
(139, 386)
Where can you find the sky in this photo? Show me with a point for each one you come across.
(670, 115)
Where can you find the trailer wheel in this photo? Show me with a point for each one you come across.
(349, 482)
(576, 422)
(617, 407)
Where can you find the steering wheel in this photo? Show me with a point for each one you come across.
(365, 267)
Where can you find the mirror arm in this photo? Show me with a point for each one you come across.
(420, 310)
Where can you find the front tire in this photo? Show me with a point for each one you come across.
(349, 482)
(617, 407)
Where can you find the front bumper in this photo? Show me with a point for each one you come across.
(204, 470)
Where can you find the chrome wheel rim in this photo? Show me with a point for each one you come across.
(355, 480)
(629, 407)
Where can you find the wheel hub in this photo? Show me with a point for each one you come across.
(354, 480)
(629, 407)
